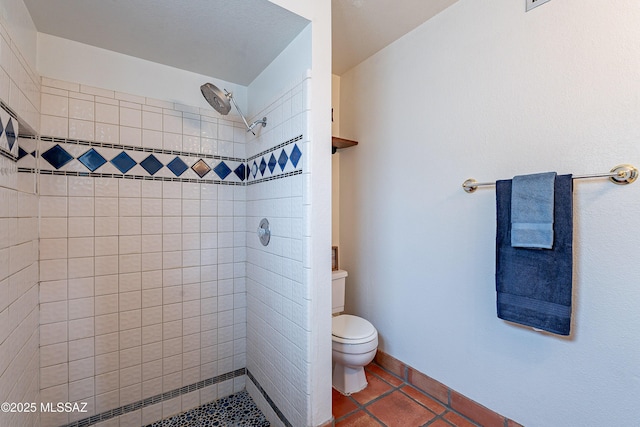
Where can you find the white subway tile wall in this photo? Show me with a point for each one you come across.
(142, 281)
(277, 296)
(19, 314)
(19, 83)
(19, 304)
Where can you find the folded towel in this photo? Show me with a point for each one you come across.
(532, 211)
(533, 286)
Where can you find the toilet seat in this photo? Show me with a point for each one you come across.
(348, 329)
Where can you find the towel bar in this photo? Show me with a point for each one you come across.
(621, 175)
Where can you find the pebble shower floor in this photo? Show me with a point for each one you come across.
(237, 410)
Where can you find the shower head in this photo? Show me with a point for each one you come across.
(221, 102)
(216, 98)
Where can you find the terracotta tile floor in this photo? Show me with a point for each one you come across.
(389, 401)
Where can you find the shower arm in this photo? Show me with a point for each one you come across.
(249, 127)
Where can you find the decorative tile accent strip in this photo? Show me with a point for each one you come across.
(151, 164)
(136, 177)
(106, 160)
(9, 130)
(92, 160)
(123, 162)
(284, 144)
(271, 403)
(133, 148)
(177, 166)
(277, 162)
(156, 399)
(222, 170)
(57, 156)
(201, 168)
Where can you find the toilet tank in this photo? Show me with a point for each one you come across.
(337, 290)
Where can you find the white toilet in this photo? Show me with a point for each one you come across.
(354, 342)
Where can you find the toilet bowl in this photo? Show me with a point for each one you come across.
(354, 342)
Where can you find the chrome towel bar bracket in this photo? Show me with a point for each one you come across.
(621, 175)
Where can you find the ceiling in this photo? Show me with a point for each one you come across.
(361, 28)
(233, 40)
(230, 40)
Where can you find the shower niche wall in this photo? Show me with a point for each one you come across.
(148, 292)
(149, 257)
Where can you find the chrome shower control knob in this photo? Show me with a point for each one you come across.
(264, 232)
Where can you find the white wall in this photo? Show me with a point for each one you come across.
(288, 67)
(288, 339)
(335, 163)
(17, 22)
(68, 60)
(19, 82)
(317, 207)
(488, 91)
(278, 302)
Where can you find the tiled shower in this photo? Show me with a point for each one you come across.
(131, 275)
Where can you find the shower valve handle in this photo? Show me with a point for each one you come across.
(264, 232)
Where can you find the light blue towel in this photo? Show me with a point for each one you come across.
(532, 211)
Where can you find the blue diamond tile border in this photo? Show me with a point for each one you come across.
(286, 155)
(57, 156)
(295, 156)
(241, 172)
(9, 131)
(151, 164)
(272, 163)
(263, 166)
(11, 134)
(92, 160)
(123, 162)
(177, 166)
(21, 153)
(280, 161)
(222, 170)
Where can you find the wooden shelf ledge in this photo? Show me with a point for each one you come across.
(342, 143)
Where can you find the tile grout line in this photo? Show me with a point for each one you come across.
(363, 407)
(447, 406)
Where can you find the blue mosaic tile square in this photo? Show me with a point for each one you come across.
(254, 169)
(222, 170)
(57, 156)
(177, 166)
(263, 166)
(92, 160)
(21, 153)
(151, 164)
(240, 172)
(282, 160)
(272, 163)
(11, 134)
(123, 162)
(295, 156)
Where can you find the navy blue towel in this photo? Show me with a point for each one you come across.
(534, 286)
